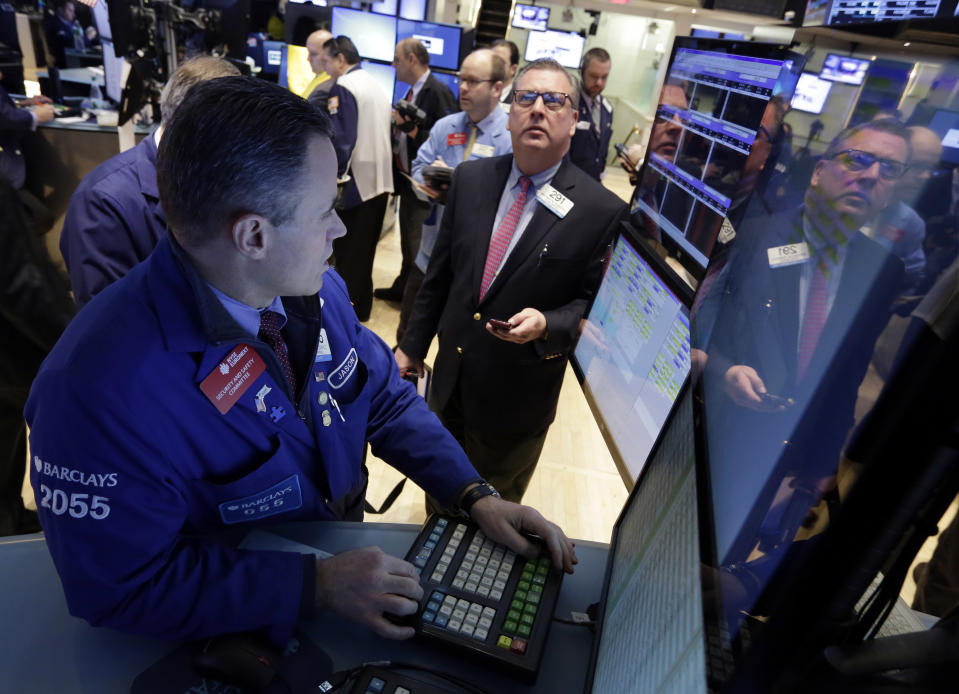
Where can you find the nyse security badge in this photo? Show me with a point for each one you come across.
(323, 352)
(333, 105)
(790, 254)
(555, 202)
(482, 151)
(281, 497)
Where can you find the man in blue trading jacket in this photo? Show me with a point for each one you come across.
(360, 112)
(224, 383)
(477, 132)
(594, 128)
(522, 241)
(114, 218)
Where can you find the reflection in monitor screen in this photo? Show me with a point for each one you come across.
(652, 637)
(946, 125)
(633, 355)
(811, 93)
(711, 106)
(842, 68)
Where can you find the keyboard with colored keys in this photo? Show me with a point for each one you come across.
(482, 597)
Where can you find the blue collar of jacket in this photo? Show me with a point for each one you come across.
(146, 166)
(190, 315)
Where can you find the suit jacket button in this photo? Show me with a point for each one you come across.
(477, 316)
(459, 350)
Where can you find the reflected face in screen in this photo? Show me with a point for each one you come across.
(926, 153)
(665, 136)
(857, 195)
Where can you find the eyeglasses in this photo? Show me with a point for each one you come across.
(470, 82)
(554, 101)
(856, 160)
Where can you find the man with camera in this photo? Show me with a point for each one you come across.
(477, 132)
(360, 112)
(433, 100)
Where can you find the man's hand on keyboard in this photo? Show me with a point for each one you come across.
(503, 521)
(362, 584)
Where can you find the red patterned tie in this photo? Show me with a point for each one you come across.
(499, 242)
(270, 333)
(813, 322)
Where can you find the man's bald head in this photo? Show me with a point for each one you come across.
(925, 153)
(314, 47)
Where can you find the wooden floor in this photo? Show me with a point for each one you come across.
(575, 484)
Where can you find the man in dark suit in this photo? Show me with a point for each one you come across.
(594, 128)
(412, 64)
(522, 240)
(806, 296)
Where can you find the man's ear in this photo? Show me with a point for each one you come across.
(250, 235)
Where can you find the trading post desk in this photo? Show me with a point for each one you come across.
(45, 650)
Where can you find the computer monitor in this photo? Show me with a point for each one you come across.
(633, 354)
(946, 126)
(373, 34)
(413, 9)
(442, 41)
(385, 75)
(867, 11)
(566, 48)
(651, 631)
(800, 463)
(811, 93)
(701, 161)
(843, 68)
(530, 17)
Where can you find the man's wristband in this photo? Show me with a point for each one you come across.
(481, 490)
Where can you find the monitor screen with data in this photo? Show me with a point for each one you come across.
(700, 160)
(811, 93)
(373, 34)
(530, 17)
(442, 41)
(843, 68)
(633, 354)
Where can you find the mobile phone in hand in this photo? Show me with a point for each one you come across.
(501, 325)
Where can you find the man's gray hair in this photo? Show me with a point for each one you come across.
(552, 66)
(190, 73)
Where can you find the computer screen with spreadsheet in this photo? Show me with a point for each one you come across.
(651, 623)
(633, 354)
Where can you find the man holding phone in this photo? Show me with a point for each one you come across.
(522, 241)
(476, 132)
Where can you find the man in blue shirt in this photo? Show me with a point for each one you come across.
(226, 383)
(114, 218)
(476, 132)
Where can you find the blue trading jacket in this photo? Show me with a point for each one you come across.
(114, 220)
(137, 472)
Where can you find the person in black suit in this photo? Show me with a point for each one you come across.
(594, 129)
(532, 259)
(805, 297)
(412, 64)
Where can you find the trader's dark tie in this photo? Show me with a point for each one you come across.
(270, 333)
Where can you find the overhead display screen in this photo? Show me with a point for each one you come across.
(842, 68)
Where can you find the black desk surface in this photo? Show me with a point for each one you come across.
(44, 649)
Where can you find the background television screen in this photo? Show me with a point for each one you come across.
(563, 47)
(530, 17)
(373, 34)
(811, 93)
(385, 75)
(633, 355)
(844, 68)
(442, 41)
